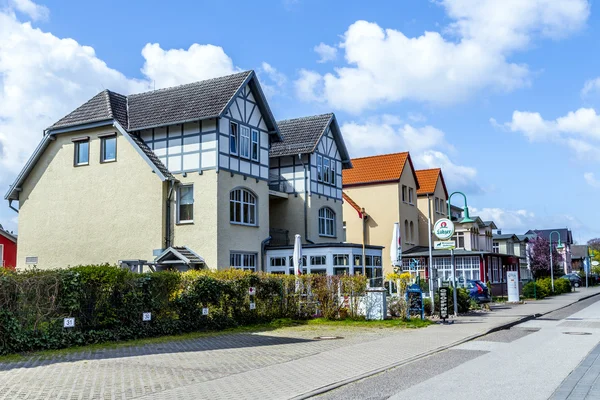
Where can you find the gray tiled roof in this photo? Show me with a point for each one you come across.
(565, 234)
(300, 135)
(194, 101)
(504, 236)
(152, 156)
(190, 255)
(579, 251)
(106, 105)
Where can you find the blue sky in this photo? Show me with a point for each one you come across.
(492, 92)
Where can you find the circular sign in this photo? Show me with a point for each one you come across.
(595, 263)
(443, 229)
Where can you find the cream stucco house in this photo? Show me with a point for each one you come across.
(432, 198)
(177, 177)
(385, 188)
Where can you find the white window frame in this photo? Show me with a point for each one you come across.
(244, 133)
(496, 247)
(326, 169)
(179, 204)
(332, 169)
(2, 262)
(244, 261)
(255, 145)
(319, 168)
(233, 137)
(326, 222)
(247, 200)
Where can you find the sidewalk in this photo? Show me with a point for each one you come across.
(281, 364)
(315, 374)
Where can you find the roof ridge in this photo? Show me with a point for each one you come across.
(381, 155)
(305, 117)
(190, 83)
(428, 169)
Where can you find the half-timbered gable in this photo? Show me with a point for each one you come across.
(244, 135)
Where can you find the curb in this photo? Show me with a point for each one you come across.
(508, 325)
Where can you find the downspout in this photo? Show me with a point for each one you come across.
(305, 201)
(11, 207)
(168, 241)
(263, 244)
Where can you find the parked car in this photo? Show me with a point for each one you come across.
(478, 291)
(575, 279)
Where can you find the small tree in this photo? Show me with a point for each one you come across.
(594, 245)
(539, 257)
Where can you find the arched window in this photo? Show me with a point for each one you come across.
(326, 222)
(412, 232)
(406, 237)
(242, 207)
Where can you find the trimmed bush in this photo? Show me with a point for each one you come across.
(108, 302)
(562, 286)
(462, 297)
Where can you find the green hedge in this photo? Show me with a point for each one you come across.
(463, 301)
(543, 288)
(107, 303)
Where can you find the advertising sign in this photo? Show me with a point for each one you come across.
(443, 302)
(146, 316)
(512, 281)
(444, 244)
(443, 229)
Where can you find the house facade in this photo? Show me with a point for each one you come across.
(8, 249)
(432, 202)
(566, 239)
(175, 177)
(385, 187)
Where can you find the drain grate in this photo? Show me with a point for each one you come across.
(577, 333)
(328, 337)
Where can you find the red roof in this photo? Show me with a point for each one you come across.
(353, 204)
(428, 180)
(377, 169)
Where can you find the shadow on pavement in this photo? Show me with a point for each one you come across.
(221, 342)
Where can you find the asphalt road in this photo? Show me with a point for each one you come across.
(528, 361)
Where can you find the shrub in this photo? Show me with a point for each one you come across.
(562, 286)
(463, 301)
(107, 303)
(531, 292)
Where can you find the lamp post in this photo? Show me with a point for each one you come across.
(558, 247)
(465, 220)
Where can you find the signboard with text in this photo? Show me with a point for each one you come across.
(444, 244)
(443, 291)
(443, 229)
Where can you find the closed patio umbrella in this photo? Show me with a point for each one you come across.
(297, 255)
(396, 246)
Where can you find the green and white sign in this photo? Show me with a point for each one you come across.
(443, 229)
(444, 244)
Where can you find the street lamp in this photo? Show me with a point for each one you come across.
(465, 220)
(558, 247)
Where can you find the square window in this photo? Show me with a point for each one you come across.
(108, 149)
(82, 152)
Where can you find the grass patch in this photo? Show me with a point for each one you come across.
(270, 326)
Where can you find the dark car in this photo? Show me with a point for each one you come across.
(573, 278)
(478, 291)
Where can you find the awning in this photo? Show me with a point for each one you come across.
(179, 255)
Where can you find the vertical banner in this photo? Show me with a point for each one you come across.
(512, 281)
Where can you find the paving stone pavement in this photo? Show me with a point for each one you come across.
(280, 364)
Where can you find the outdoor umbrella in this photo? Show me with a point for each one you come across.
(396, 246)
(297, 256)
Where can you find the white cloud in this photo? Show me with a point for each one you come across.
(33, 10)
(520, 221)
(173, 67)
(426, 144)
(591, 180)
(326, 52)
(579, 130)
(44, 77)
(384, 65)
(272, 81)
(592, 85)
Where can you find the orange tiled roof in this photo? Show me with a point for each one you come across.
(382, 168)
(428, 180)
(353, 204)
